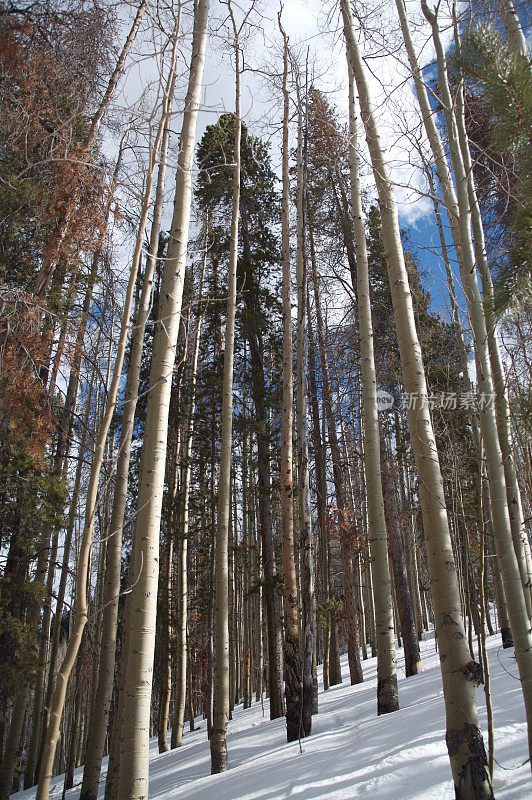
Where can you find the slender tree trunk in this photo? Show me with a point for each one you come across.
(259, 688)
(292, 665)
(387, 694)
(464, 739)
(134, 725)
(166, 666)
(483, 606)
(220, 718)
(247, 577)
(74, 735)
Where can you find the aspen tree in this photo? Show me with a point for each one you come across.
(102, 697)
(387, 695)
(292, 668)
(464, 739)
(502, 525)
(512, 24)
(220, 717)
(134, 724)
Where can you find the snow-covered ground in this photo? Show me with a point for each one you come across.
(352, 753)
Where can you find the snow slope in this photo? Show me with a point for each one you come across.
(352, 753)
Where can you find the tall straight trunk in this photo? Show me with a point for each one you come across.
(210, 646)
(259, 571)
(220, 717)
(344, 523)
(292, 668)
(305, 520)
(246, 579)
(102, 698)
(387, 694)
(231, 612)
(134, 725)
(502, 524)
(463, 736)
(47, 270)
(83, 564)
(182, 534)
(191, 705)
(484, 651)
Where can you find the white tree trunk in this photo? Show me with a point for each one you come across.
(134, 725)
(99, 718)
(387, 695)
(512, 24)
(464, 739)
(220, 715)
